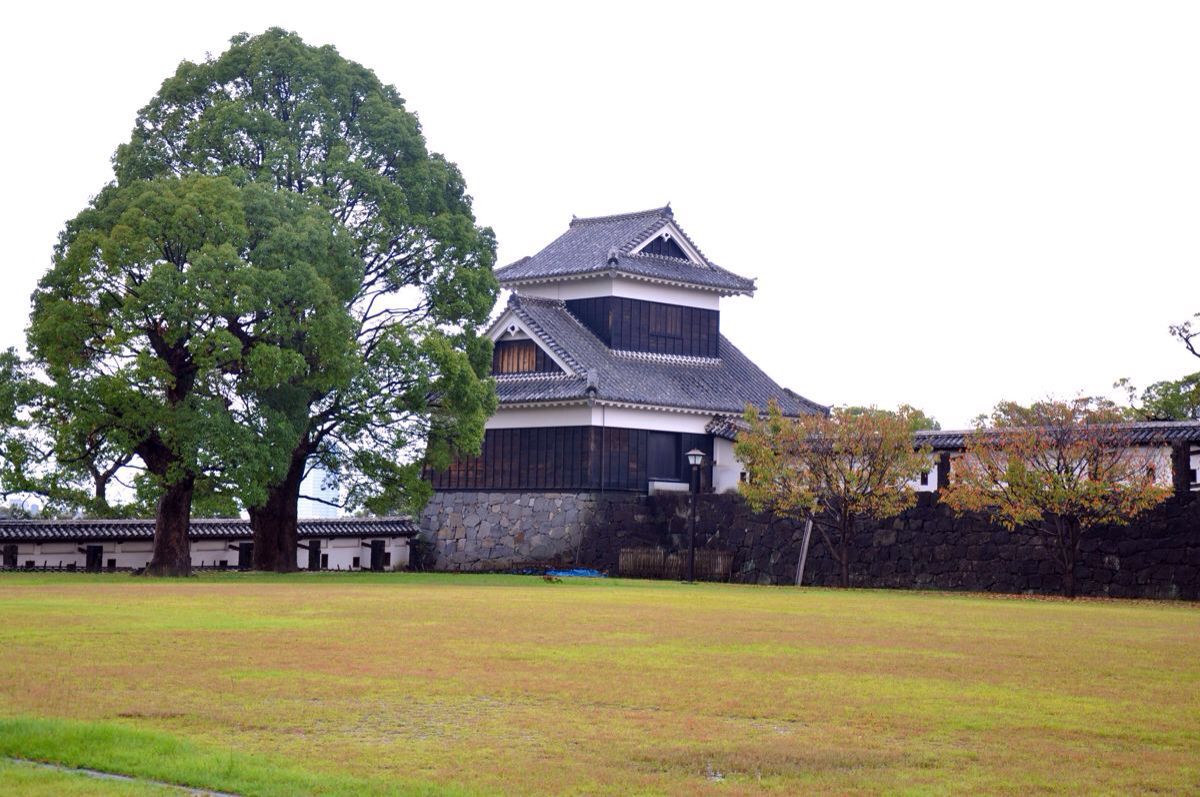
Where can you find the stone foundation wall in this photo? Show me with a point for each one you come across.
(927, 547)
(504, 530)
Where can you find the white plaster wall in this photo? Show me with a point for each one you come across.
(341, 553)
(1158, 457)
(654, 420)
(624, 287)
(600, 415)
(727, 468)
(930, 485)
(209, 553)
(519, 418)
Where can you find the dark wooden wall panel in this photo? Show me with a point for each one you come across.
(563, 458)
(654, 327)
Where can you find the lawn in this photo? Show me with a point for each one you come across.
(436, 684)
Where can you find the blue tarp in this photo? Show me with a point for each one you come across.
(579, 572)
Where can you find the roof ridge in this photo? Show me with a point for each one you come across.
(667, 259)
(521, 299)
(677, 359)
(663, 212)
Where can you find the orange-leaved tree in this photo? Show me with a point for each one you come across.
(852, 463)
(1057, 468)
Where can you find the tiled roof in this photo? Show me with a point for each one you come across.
(725, 426)
(1134, 433)
(1137, 433)
(82, 529)
(722, 385)
(604, 244)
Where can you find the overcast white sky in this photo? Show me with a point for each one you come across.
(945, 204)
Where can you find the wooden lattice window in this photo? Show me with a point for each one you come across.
(515, 357)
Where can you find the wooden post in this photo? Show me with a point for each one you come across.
(803, 552)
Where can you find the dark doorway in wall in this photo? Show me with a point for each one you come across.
(245, 556)
(377, 562)
(93, 556)
(314, 554)
(10, 556)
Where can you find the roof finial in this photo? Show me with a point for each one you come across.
(613, 256)
(670, 214)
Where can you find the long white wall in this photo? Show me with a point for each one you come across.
(341, 553)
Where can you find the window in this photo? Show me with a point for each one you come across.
(924, 478)
(355, 564)
(515, 357)
(662, 455)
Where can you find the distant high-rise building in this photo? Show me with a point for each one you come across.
(316, 484)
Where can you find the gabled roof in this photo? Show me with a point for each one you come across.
(711, 385)
(607, 244)
(94, 530)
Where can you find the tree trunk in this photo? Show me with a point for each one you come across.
(172, 553)
(274, 522)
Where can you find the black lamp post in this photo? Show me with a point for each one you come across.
(695, 458)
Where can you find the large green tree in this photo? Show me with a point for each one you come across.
(277, 111)
(173, 309)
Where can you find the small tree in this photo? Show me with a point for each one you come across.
(1059, 469)
(856, 462)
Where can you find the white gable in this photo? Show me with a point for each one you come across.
(509, 327)
(672, 233)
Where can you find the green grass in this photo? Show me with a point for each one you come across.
(429, 684)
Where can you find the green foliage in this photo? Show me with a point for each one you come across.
(1168, 400)
(168, 315)
(274, 111)
(917, 419)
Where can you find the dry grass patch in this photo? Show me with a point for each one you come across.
(517, 685)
